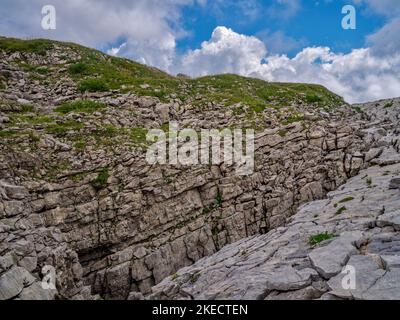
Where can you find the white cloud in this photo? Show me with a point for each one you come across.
(358, 76)
(149, 27)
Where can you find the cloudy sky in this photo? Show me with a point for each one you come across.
(276, 40)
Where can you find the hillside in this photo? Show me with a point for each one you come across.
(77, 194)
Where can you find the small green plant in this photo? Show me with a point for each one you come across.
(77, 68)
(80, 145)
(347, 199)
(369, 182)
(174, 276)
(87, 106)
(313, 98)
(138, 135)
(92, 85)
(42, 70)
(33, 137)
(341, 210)
(357, 109)
(27, 108)
(283, 133)
(101, 181)
(63, 128)
(293, 119)
(218, 200)
(318, 238)
(6, 134)
(194, 277)
(206, 210)
(388, 105)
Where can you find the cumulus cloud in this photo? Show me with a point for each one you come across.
(358, 76)
(385, 40)
(149, 28)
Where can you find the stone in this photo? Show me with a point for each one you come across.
(385, 288)
(36, 292)
(367, 272)
(330, 259)
(13, 281)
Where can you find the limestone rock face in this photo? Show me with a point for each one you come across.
(77, 195)
(284, 264)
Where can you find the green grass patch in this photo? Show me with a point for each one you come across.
(7, 134)
(293, 119)
(388, 105)
(341, 210)
(80, 145)
(77, 68)
(34, 119)
(87, 106)
(39, 46)
(101, 180)
(138, 135)
(25, 108)
(92, 85)
(318, 238)
(313, 98)
(63, 128)
(283, 133)
(347, 199)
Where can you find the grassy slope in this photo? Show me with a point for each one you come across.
(96, 71)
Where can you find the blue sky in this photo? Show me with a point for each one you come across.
(315, 23)
(275, 40)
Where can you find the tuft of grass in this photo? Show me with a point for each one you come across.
(347, 199)
(43, 70)
(92, 85)
(174, 276)
(77, 68)
(7, 134)
(388, 105)
(34, 119)
(194, 277)
(341, 210)
(80, 145)
(138, 135)
(293, 119)
(283, 133)
(62, 128)
(313, 98)
(27, 108)
(101, 181)
(218, 200)
(318, 238)
(87, 106)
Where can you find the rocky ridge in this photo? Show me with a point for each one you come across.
(77, 194)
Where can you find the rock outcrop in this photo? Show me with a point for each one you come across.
(355, 229)
(77, 194)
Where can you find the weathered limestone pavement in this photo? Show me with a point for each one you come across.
(362, 219)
